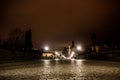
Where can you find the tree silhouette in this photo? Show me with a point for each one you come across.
(16, 38)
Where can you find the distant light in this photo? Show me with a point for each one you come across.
(63, 56)
(72, 54)
(73, 59)
(46, 48)
(56, 52)
(57, 59)
(79, 48)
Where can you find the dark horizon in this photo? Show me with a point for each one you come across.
(57, 23)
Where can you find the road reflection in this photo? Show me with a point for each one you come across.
(60, 69)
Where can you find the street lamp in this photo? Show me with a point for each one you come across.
(46, 48)
(79, 48)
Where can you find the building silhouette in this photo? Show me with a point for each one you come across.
(28, 40)
(73, 44)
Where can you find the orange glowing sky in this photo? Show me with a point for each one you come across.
(58, 22)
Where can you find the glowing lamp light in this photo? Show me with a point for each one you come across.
(56, 52)
(46, 48)
(79, 48)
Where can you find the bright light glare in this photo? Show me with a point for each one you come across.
(46, 48)
(57, 59)
(79, 48)
(46, 61)
(72, 54)
(80, 61)
(56, 52)
(63, 56)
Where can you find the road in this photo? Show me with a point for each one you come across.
(60, 70)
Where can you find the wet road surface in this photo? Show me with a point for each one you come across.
(60, 70)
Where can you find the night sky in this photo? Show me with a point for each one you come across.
(58, 22)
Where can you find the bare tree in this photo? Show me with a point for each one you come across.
(16, 38)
